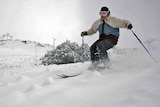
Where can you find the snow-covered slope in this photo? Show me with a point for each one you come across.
(132, 81)
(18, 54)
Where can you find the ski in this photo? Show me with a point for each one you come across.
(67, 76)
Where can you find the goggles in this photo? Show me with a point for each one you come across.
(103, 13)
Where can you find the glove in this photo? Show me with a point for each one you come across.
(83, 33)
(130, 26)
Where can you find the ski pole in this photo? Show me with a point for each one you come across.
(82, 49)
(144, 46)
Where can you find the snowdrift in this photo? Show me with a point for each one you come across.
(132, 81)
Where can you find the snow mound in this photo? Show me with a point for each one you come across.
(48, 81)
(33, 87)
(132, 80)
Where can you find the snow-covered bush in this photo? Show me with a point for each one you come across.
(66, 53)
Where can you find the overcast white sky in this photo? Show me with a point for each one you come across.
(41, 20)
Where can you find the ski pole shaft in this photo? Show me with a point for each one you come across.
(82, 49)
(144, 46)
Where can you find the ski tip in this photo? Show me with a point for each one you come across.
(67, 76)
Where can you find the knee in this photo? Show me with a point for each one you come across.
(100, 46)
(104, 45)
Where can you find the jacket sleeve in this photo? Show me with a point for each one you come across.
(93, 28)
(117, 22)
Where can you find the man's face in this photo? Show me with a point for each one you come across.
(103, 17)
(103, 14)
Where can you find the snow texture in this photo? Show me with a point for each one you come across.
(131, 81)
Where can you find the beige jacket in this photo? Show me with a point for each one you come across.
(112, 21)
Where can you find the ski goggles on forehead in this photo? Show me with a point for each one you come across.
(103, 13)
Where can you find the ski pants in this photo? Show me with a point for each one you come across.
(99, 49)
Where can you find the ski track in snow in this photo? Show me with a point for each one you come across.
(130, 82)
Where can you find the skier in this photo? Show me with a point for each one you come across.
(108, 28)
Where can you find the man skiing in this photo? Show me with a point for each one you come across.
(108, 28)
